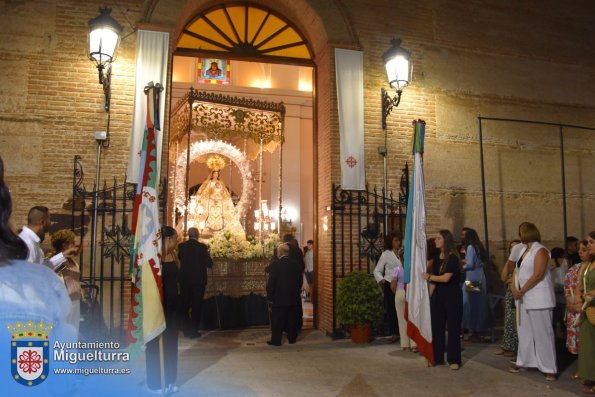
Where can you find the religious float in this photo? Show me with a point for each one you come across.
(225, 169)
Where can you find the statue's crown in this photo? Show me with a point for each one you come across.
(216, 163)
(30, 329)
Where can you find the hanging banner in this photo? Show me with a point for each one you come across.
(350, 99)
(152, 52)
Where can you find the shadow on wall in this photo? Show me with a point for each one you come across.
(581, 194)
(455, 214)
(500, 189)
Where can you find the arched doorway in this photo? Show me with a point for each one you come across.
(323, 25)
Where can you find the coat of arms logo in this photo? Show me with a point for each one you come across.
(29, 348)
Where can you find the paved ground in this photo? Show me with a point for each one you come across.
(239, 363)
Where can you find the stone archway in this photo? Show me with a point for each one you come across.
(325, 25)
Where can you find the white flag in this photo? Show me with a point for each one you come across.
(419, 322)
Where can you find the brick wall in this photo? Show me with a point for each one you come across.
(327, 170)
(51, 104)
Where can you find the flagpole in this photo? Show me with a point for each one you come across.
(383, 151)
(187, 192)
(161, 364)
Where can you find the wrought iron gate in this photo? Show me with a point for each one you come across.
(360, 220)
(108, 277)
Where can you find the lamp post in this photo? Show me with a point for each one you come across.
(398, 70)
(104, 38)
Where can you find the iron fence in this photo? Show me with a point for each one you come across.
(106, 277)
(360, 221)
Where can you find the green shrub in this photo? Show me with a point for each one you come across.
(359, 300)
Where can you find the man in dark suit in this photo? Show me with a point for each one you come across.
(194, 260)
(294, 249)
(296, 253)
(283, 291)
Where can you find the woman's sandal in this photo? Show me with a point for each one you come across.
(500, 352)
(589, 390)
(575, 377)
(551, 377)
(515, 369)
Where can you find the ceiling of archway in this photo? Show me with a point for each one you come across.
(246, 31)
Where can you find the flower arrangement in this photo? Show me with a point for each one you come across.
(232, 246)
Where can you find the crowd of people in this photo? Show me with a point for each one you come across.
(52, 284)
(548, 292)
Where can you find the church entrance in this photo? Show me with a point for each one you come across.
(241, 152)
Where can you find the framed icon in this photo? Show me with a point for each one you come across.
(214, 71)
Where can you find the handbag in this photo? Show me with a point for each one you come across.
(590, 313)
(473, 286)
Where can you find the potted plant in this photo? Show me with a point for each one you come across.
(359, 305)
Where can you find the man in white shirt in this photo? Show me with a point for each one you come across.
(38, 223)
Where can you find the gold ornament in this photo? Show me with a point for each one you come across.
(216, 163)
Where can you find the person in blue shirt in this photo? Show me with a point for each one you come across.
(475, 293)
(33, 300)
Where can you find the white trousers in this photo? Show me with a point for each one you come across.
(400, 306)
(537, 347)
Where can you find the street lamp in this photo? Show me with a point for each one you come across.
(104, 39)
(398, 71)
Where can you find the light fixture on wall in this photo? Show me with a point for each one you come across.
(398, 70)
(104, 39)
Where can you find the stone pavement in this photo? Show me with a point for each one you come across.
(239, 363)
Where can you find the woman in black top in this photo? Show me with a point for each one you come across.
(446, 301)
(169, 279)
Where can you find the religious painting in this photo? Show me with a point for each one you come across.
(214, 71)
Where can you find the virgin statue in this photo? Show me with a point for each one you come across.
(212, 209)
